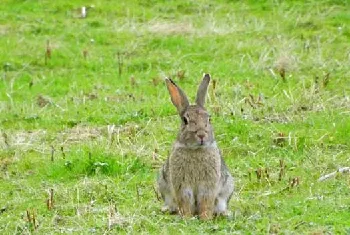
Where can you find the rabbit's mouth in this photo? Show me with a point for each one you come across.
(196, 145)
(201, 143)
(204, 144)
(201, 137)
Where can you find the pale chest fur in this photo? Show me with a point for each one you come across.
(195, 167)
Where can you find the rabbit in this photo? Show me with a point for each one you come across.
(194, 179)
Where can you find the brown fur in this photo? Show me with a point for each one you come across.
(194, 176)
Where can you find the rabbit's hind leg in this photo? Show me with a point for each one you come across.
(186, 202)
(169, 204)
(206, 200)
(223, 198)
(164, 188)
(220, 206)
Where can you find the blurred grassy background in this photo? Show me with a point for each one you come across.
(89, 94)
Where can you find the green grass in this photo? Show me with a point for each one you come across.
(108, 135)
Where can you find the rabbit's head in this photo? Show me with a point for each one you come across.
(196, 130)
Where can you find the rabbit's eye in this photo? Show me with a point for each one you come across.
(185, 120)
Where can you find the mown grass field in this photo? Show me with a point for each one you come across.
(84, 111)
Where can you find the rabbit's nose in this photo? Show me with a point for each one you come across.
(201, 136)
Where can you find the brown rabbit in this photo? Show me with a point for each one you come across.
(194, 179)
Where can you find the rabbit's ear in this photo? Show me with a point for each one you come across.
(202, 90)
(178, 97)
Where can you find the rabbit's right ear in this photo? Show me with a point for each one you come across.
(178, 97)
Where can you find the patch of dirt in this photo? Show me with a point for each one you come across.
(4, 29)
(169, 28)
(41, 140)
(5, 162)
(80, 133)
(42, 101)
(285, 63)
(26, 138)
(277, 118)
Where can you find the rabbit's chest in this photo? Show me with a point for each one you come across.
(195, 167)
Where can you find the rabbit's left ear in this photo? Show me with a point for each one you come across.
(202, 90)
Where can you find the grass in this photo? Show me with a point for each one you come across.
(94, 121)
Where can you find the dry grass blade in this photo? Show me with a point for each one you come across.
(259, 174)
(52, 153)
(42, 101)
(325, 80)
(120, 63)
(48, 52)
(282, 170)
(85, 53)
(132, 81)
(114, 218)
(181, 74)
(156, 193)
(333, 174)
